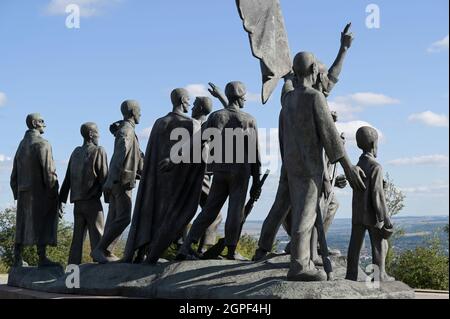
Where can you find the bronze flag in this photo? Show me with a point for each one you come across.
(264, 23)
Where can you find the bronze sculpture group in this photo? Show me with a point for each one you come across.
(170, 193)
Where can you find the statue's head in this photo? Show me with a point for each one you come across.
(202, 106)
(180, 97)
(235, 92)
(131, 110)
(306, 66)
(90, 133)
(322, 81)
(36, 122)
(367, 139)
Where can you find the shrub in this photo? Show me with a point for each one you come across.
(422, 268)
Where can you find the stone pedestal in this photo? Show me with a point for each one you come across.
(204, 279)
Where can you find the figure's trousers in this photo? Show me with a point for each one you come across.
(328, 219)
(210, 236)
(277, 214)
(88, 217)
(281, 214)
(119, 216)
(224, 185)
(379, 249)
(305, 194)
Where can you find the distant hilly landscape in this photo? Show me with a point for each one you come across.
(418, 230)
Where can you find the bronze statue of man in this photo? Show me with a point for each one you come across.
(306, 131)
(230, 178)
(85, 176)
(167, 200)
(202, 108)
(280, 211)
(125, 168)
(35, 187)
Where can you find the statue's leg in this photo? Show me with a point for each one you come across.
(331, 213)
(379, 253)
(354, 250)
(95, 222)
(304, 197)
(210, 237)
(216, 199)
(238, 185)
(120, 207)
(79, 234)
(43, 259)
(202, 203)
(314, 247)
(18, 260)
(277, 215)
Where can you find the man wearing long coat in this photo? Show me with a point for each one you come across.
(34, 184)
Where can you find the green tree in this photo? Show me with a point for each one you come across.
(395, 201)
(423, 268)
(395, 198)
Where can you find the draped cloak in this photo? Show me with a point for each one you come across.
(166, 201)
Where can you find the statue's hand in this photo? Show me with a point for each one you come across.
(165, 165)
(107, 187)
(341, 181)
(388, 223)
(60, 210)
(347, 37)
(214, 90)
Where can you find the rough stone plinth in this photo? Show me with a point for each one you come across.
(203, 279)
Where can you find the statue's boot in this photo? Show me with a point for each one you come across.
(18, 260)
(384, 277)
(20, 263)
(186, 252)
(44, 261)
(318, 261)
(260, 254)
(232, 254)
(236, 256)
(287, 249)
(307, 275)
(99, 256)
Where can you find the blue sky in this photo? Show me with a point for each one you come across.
(395, 77)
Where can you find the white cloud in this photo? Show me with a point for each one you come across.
(6, 162)
(434, 160)
(368, 98)
(4, 158)
(350, 128)
(439, 46)
(436, 189)
(347, 106)
(88, 8)
(2, 99)
(429, 118)
(197, 90)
